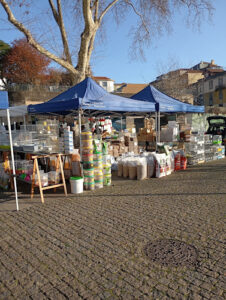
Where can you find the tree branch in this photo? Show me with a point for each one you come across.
(140, 15)
(107, 9)
(58, 16)
(33, 42)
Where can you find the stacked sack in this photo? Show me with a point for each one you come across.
(87, 158)
(98, 164)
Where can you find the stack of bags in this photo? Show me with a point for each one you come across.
(87, 158)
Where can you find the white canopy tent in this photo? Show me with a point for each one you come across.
(15, 111)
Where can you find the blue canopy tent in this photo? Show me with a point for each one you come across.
(4, 104)
(88, 95)
(165, 103)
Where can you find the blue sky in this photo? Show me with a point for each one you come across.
(183, 47)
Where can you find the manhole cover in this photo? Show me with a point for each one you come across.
(171, 253)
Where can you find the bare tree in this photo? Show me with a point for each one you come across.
(150, 17)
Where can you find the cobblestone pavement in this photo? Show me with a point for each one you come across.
(91, 246)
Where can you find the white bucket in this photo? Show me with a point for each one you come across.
(76, 185)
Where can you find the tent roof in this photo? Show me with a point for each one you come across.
(15, 111)
(88, 95)
(4, 102)
(165, 103)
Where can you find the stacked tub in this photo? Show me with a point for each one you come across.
(87, 158)
(106, 166)
(98, 168)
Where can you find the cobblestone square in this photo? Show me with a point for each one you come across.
(91, 245)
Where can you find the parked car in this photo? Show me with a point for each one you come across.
(217, 126)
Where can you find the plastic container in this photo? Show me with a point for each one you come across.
(87, 144)
(76, 185)
(107, 180)
(89, 186)
(87, 165)
(107, 170)
(98, 177)
(99, 184)
(97, 156)
(88, 172)
(86, 135)
(98, 164)
(87, 155)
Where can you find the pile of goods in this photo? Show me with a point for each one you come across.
(96, 162)
(87, 159)
(213, 147)
(102, 124)
(147, 135)
(126, 142)
(170, 133)
(194, 147)
(152, 164)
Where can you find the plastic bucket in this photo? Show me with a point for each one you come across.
(76, 185)
(86, 135)
(87, 144)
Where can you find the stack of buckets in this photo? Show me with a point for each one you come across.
(87, 158)
(106, 166)
(98, 167)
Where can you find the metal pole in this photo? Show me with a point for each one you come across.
(12, 157)
(159, 127)
(80, 137)
(156, 130)
(121, 123)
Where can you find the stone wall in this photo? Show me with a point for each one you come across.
(33, 96)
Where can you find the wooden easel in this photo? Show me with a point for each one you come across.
(59, 167)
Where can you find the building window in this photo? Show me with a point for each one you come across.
(210, 99)
(221, 97)
(220, 81)
(210, 84)
(104, 83)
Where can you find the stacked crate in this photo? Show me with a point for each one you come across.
(209, 154)
(195, 150)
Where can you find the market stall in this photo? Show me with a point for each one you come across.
(165, 104)
(89, 99)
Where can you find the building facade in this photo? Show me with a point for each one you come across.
(105, 82)
(211, 91)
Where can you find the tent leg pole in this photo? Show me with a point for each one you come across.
(80, 137)
(159, 127)
(156, 130)
(121, 123)
(12, 157)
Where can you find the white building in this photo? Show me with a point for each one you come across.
(106, 83)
